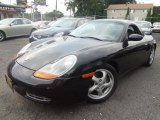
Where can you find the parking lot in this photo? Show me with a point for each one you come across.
(136, 98)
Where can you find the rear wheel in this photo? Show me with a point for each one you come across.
(104, 83)
(32, 31)
(2, 36)
(151, 57)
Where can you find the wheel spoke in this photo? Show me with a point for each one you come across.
(93, 88)
(104, 76)
(95, 79)
(100, 92)
(106, 85)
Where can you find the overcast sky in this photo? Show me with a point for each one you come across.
(62, 7)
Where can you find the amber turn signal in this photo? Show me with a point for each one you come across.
(88, 75)
(44, 75)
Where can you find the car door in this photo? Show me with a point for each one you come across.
(16, 28)
(135, 53)
(27, 25)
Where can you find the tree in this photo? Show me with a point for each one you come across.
(53, 15)
(92, 7)
(121, 1)
(127, 14)
(87, 7)
(149, 15)
(155, 17)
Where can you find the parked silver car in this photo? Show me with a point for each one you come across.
(145, 26)
(156, 27)
(12, 27)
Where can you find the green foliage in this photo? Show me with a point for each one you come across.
(149, 16)
(92, 7)
(88, 7)
(155, 17)
(53, 15)
(121, 1)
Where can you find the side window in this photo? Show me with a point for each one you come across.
(26, 21)
(133, 29)
(17, 22)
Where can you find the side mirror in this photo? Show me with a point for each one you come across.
(135, 37)
(11, 24)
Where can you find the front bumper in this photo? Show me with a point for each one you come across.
(156, 29)
(45, 91)
(32, 39)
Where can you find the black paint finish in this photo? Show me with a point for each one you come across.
(92, 54)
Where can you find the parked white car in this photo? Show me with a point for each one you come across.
(12, 27)
(156, 27)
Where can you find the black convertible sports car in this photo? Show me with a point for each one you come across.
(87, 64)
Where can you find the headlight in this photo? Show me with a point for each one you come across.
(56, 69)
(59, 34)
(24, 49)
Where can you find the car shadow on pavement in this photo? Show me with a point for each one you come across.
(14, 38)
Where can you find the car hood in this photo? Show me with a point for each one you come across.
(3, 26)
(51, 30)
(44, 54)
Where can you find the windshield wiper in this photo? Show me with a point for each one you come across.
(72, 35)
(58, 26)
(93, 38)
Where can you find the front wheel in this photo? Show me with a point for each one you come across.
(2, 36)
(103, 85)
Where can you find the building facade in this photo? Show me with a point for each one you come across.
(136, 12)
(10, 11)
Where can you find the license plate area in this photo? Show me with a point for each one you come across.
(9, 82)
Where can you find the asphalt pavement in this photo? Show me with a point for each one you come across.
(136, 98)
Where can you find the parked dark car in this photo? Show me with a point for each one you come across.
(86, 65)
(61, 27)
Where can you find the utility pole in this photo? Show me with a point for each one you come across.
(55, 12)
(70, 8)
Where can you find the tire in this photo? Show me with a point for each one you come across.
(101, 88)
(151, 57)
(2, 36)
(32, 31)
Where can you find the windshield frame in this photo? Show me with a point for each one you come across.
(11, 20)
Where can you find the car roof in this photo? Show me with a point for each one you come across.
(73, 18)
(142, 21)
(117, 20)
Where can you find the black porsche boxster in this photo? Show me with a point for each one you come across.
(86, 65)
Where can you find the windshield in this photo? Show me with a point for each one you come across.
(65, 23)
(6, 21)
(144, 24)
(103, 30)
